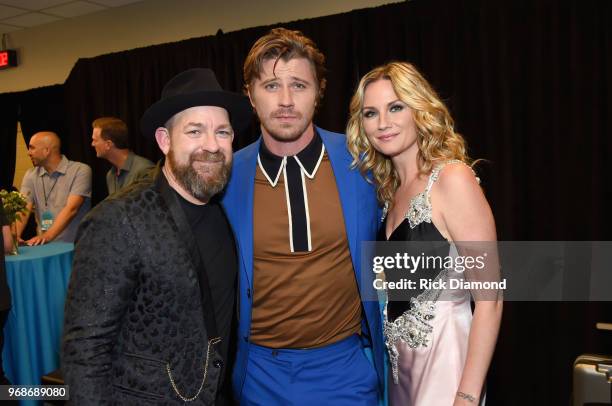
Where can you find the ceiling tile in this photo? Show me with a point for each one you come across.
(30, 19)
(76, 8)
(7, 11)
(33, 4)
(113, 3)
(7, 28)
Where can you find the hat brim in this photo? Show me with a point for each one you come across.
(237, 106)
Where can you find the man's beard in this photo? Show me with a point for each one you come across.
(202, 185)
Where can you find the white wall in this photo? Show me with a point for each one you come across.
(47, 53)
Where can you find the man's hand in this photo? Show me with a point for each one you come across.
(64, 217)
(38, 240)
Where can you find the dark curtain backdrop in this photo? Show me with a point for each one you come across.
(8, 137)
(528, 83)
(40, 109)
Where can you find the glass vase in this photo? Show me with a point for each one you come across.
(15, 249)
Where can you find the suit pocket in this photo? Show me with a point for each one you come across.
(141, 376)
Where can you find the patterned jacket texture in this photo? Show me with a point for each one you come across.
(134, 325)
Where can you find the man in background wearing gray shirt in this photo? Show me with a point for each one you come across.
(110, 140)
(57, 189)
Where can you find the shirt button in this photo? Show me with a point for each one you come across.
(249, 293)
(246, 339)
(218, 363)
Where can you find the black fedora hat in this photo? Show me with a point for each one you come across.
(195, 87)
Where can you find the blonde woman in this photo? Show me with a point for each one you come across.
(402, 134)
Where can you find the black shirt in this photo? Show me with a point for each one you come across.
(215, 242)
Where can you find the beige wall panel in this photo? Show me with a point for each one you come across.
(47, 53)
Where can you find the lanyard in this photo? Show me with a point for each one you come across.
(45, 192)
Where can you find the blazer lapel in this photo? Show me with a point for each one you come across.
(346, 181)
(185, 235)
(245, 181)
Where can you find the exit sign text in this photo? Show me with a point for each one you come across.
(8, 59)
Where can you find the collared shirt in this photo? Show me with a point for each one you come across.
(305, 293)
(133, 169)
(294, 169)
(49, 192)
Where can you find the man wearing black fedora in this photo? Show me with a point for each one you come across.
(149, 308)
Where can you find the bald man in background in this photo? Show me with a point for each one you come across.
(59, 191)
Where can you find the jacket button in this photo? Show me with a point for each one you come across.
(249, 293)
(218, 363)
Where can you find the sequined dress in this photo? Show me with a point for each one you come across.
(427, 337)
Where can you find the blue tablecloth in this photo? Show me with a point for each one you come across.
(38, 278)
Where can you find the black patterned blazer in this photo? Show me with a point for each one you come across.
(134, 327)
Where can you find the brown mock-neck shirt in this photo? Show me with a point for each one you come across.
(304, 290)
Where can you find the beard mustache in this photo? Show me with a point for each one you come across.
(201, 185)
(286, 132)
(286, 112)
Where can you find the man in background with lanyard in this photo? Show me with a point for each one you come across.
(58, 189)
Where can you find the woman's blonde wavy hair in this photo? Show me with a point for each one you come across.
(436, 137)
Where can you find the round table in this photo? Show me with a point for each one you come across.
(38, 278)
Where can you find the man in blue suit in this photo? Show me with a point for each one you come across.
(300, 213)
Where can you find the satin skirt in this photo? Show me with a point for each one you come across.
(430, 376)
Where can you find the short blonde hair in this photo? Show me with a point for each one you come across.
(436, 137)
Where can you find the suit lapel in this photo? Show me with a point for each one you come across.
(185, 235)
(347, 185)
(245, 181)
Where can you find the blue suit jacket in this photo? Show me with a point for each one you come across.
(359, 207)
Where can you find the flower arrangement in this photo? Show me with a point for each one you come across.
(14, 204)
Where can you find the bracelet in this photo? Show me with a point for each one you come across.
(466, 396)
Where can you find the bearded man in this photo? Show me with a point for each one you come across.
(151, 297)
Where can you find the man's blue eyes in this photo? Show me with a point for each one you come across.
(223, 133)
(274, 86)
